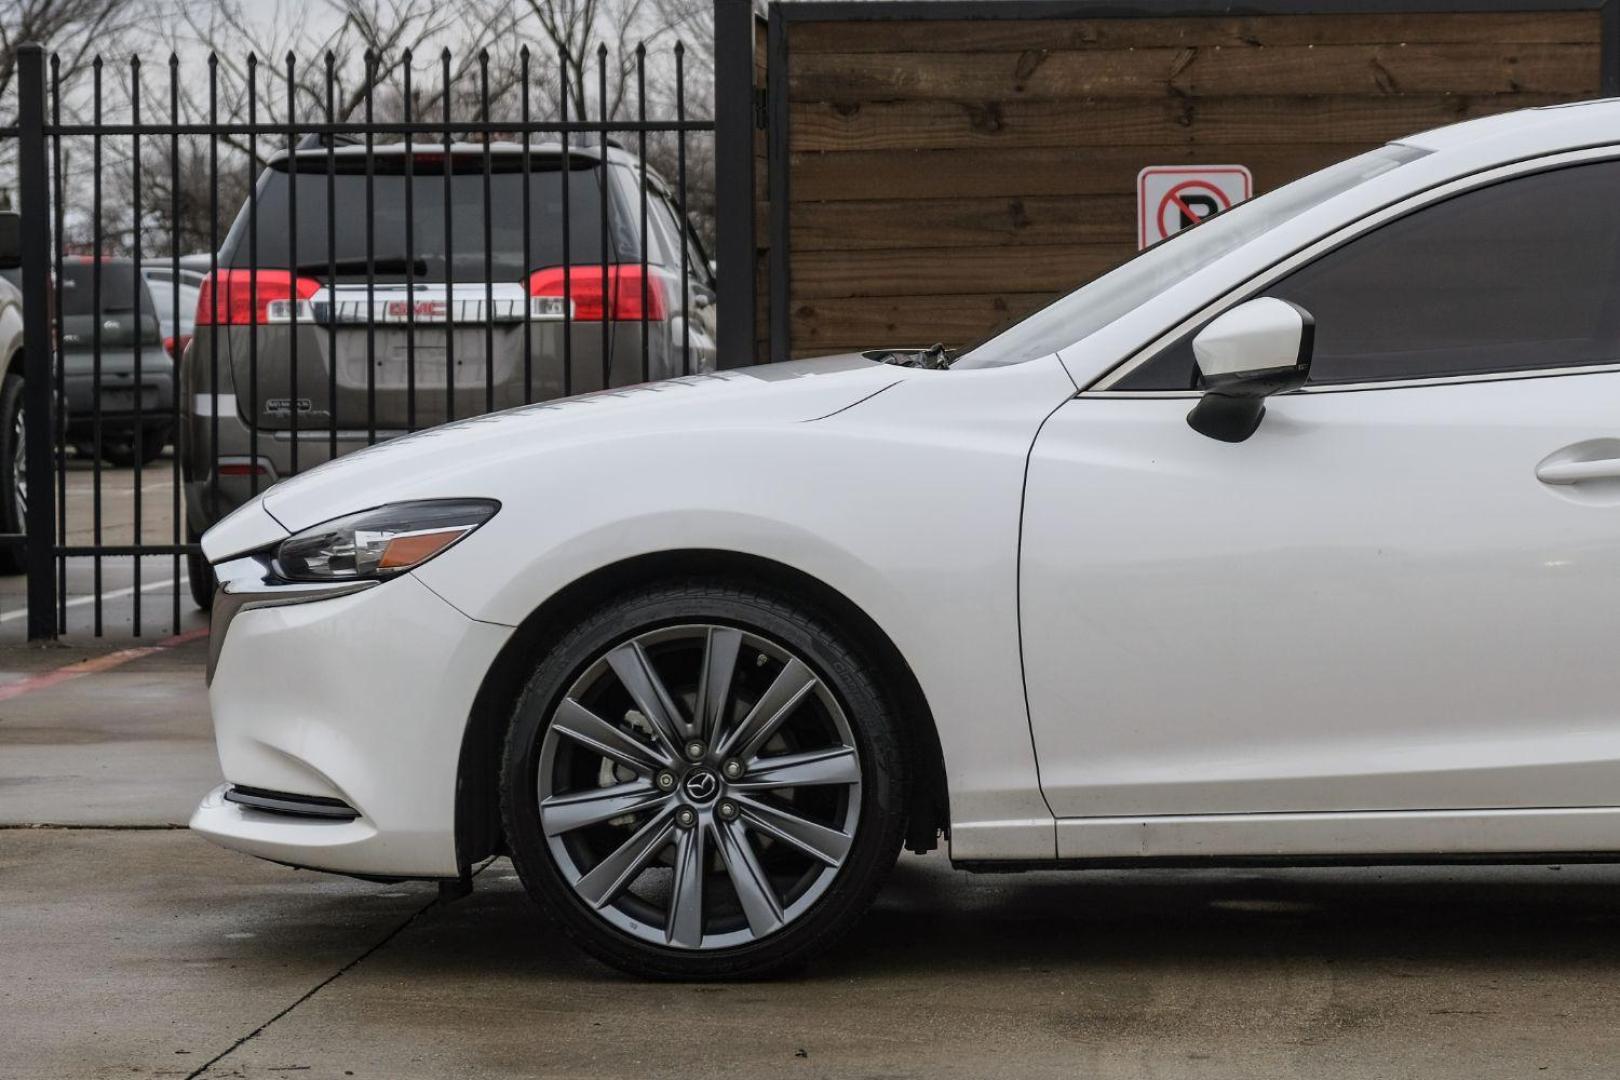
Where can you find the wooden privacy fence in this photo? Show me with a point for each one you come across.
(937, 169)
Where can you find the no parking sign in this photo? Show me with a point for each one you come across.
(1170, 198)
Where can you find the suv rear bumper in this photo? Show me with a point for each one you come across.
(118, 393)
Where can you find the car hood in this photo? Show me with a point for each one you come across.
(441, 460)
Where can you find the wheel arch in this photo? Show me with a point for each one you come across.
(478, 818)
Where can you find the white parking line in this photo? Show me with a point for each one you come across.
(116, 594)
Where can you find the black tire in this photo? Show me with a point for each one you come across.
(871, 721)
(120, 452)
(200, 579)
(12, 560)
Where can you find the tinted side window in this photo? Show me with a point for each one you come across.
(1518, 275)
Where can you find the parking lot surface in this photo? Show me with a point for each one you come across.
(130, 948)
(99, 508)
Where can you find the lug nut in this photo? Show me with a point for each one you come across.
(727, 810)
(665, 781)
(686, 817)
(695, 750)
(733, 769)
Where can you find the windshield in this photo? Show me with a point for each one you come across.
(1095, 305)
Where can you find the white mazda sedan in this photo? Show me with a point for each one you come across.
(1295, 539)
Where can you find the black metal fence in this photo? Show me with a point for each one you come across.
(212, 303)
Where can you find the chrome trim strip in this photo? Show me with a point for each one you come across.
(247, 583)
(1386, 384)
(277, 802)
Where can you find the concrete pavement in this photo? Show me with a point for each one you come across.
(142, 950)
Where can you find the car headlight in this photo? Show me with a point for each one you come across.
(382, 542)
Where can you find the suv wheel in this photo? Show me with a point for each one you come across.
(13, 470)
(703, 781)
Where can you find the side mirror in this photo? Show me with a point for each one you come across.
(1259, 348)
(10, 240)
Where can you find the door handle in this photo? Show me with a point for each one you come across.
(1575, 472)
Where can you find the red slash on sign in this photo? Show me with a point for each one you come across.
(1175, 197)
(1195, 200)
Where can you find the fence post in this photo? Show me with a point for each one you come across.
(39, 397)
(734, 111)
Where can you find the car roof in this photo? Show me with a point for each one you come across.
(581, 151)
(586, 148)
(1528, 132)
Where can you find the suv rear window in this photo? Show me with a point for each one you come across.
(119, 289)
(388, 244)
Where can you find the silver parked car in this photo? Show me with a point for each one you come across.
(304, 351)
(13, 420)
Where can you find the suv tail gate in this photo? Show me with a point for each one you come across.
(417, 320)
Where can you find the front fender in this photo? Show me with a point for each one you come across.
(907, 504)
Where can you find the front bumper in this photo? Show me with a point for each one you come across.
(361, 698)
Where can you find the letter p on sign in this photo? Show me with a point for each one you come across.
(1170, 198)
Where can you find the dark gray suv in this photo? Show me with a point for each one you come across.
(117, 376)
(304, 352)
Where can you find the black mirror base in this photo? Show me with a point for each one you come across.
(1229, 419)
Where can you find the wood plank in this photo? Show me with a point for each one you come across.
(900, 223)
(951, 124)
(921, 271)
(1013, 35)
(954, 174)
(892, 322)
(1325, 69)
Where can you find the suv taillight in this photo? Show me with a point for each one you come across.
(243, 297)
(585, 290)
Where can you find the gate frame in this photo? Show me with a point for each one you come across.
(34, 198)
(783, 15)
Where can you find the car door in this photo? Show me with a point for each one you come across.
(1391, 609)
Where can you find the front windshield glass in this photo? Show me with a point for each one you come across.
(1100, 302)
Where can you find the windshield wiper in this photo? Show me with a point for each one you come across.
(381, 264)
(935, 357)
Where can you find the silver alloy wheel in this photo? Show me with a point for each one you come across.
(19, 465)
(699, 786)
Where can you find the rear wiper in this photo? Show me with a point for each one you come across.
(381, 264)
